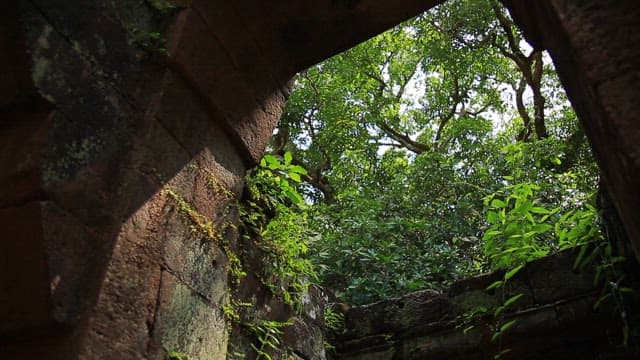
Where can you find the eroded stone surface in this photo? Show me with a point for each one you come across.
(557, 322)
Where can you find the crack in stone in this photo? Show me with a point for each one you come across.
(200, 295)
(152, 325)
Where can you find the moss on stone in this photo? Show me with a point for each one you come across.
(77, 154)
(473, 300)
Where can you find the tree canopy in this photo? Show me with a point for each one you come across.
(432, 152)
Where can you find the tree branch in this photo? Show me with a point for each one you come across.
(403, 139)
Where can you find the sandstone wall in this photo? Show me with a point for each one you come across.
(102, 122)
(554, 319)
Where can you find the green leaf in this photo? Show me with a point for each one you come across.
(600, 300)
(577, 264)
(507, 325)
(293, 196)
(617, 259)
(494, 285)
(511, 273)
(496, 336)
(541, 228)
(272, 162)
(492, 217)
(501, 353)
(467, 329)
(297, 169)
(539, 210)
(287, 158)
(497, 203)
(512, 300)
(625, 335)
(295, 177)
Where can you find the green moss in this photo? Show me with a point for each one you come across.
(174, 355)
(473, 300)
(77, 154)
(200, 222)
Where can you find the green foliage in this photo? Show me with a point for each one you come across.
(164, 7)
(333, 320)
(579, 227)
(406, 136)
(149, 42)
(200, 223)
(501, 325)
(335, 324)
(231, 309)
(520, 229)
(274, 217)
(268, 334)
(610, 276)
(273, 182)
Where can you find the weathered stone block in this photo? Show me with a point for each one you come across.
(553, 278)
(199, 128)
(227, 94)
(187, 323)
(305, 338)
(445, 345)
(194, 258)
(599, 32)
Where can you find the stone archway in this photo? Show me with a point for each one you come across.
(105, 105)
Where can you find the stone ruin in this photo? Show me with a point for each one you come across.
(112, 110)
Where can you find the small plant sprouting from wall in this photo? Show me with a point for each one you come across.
(273, 217)
(335, 324)
(208, 228)
(268, 333)
(270, 219)
(231, 309)
(501, 324)
(521, 230)
(611, 277)
(334, 320)
(199, 221)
